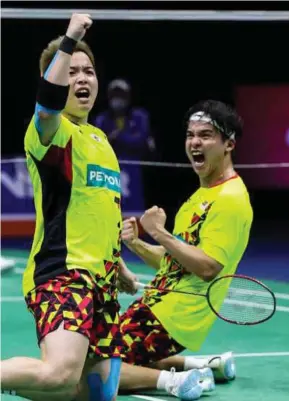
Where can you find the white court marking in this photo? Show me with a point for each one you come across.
(147, 397)
(252, 355)
(257, 292)
(256, 305)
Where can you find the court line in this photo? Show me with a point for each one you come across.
(262, 354)
(12, 299)
(256, 305)
(147, 397)
(251, 355)
(281, 295)
(257, 292)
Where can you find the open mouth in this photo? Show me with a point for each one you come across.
(82, 94)
(198, 158)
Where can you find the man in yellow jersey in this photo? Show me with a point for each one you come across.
(70, 280)
(210, 235)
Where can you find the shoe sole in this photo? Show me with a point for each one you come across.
(191, 389)
(207, 375)
(227, 370)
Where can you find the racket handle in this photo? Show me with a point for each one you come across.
(140, 285)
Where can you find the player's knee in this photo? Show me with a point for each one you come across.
(60, 379)
(105, 391)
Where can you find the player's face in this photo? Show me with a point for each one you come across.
(205, 148)
(83, 86)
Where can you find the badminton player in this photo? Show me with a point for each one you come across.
(210, 235)
(70, 280)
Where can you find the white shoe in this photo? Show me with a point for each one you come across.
(226, 369)
(207, 379)
(191, 384)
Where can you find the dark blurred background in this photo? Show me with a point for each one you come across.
(170, 65)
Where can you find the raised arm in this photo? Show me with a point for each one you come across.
(54, 85)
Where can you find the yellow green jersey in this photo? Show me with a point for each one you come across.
(76, 183)
(218, 221)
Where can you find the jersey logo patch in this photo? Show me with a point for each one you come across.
(95, 137)
(101, 177)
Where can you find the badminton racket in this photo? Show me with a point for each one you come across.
(247, 302)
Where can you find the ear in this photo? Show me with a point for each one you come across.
(230, 145)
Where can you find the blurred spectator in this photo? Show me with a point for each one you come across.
(127, 127)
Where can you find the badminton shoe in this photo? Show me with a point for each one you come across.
(190, 385)
(223, 367)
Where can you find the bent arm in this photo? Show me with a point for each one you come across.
(223, 238)
(150, 254)
(193, 259)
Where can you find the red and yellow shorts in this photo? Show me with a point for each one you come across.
(75, 300)
(144, 337)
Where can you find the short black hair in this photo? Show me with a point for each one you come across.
(224, 115)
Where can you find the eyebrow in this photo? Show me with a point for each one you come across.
(77, 67)
(202, 131)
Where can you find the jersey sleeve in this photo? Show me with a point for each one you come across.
(61, 138)
(220, 235)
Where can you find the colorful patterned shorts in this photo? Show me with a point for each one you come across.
(75, 299)
(145, 339)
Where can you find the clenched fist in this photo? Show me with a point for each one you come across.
(79, 23)
(129, 230)
(153, 219)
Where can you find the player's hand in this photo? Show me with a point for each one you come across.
(129, 230)
(79, 23)
(127, 280)
(153, 219)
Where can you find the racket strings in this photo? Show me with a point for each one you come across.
(246, 302)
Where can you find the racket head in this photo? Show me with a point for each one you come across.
(248, 302)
